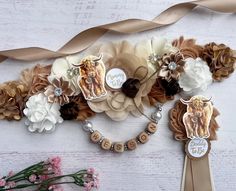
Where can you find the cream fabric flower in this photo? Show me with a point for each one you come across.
(41, 115)
(153, 49)
(63, 68)
(196, 76)
(116, 104)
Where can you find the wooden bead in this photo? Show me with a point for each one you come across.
(119, 147)
(143, 137)
(152, 127)
(132, 144)
(95, 136)
(106, 144)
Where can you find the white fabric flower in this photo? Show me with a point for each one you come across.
(153, 48)
(41, 114)
(62, 67)
(196, 76)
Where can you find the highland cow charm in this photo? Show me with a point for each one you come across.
(92, 77)
(198, 117)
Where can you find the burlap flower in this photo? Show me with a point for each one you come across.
(153, 49)
(58, 91)
(177, 125)
(36, 78)
(171, 66)
(220, 59)
(116, 104)
(158, 94)
(188, 47)
(76, 109)
(12, 100)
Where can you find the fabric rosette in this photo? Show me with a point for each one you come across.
(36, 78)
(41, 115)
(196, 76)
(116, 104)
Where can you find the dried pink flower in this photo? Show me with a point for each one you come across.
(88, 186)
(54, 165)
(55, 188)
(55, 162)
(32, 178)
(2, 182)
(91, 179)
(11, 173)
(43, 177)
(96, 183)
(10, 184)
(90, 170)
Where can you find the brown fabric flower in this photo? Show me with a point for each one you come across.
(220, 59)
(188, 47)
(177, 125)
(59, 91)
(12, 100)
(171, 66)
(76, 109)
(158, 94)
(36, 78)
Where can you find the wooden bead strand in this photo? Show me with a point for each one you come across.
(119, 147)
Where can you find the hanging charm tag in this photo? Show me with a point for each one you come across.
(196, 119)
(92, 77)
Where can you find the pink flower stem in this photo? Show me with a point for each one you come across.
(21, 173)
(76, 178)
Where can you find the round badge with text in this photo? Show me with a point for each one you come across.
(197, 148)
(115, 77)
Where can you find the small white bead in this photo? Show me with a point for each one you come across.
(87, 126)
(156, 116)
(159, 107)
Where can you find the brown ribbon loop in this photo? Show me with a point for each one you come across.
(197, 175)
(87, 37)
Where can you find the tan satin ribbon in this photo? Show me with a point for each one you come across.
(87, 37)
(197, 175)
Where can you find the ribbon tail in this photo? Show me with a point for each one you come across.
(197, 175)
(86, 38)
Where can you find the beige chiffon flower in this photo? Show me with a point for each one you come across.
(116, 104)
(58, 91)
(153, 49)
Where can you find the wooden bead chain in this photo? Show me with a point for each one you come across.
(119, 147)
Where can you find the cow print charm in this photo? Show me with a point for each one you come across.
(92, 77)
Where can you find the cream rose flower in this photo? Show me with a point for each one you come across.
(153, 49)
(41, 115)
(196, 76)
(116, 104)
(63, 68)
